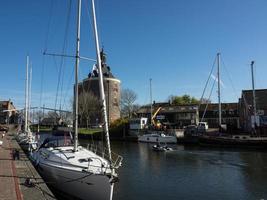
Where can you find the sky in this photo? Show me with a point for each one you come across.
(173, 42)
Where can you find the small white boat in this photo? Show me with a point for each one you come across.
(1, 143)
(157, 138)
(158, 147)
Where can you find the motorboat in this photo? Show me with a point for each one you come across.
(159, 147)
(157, 137)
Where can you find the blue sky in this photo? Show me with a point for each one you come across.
(174, 42)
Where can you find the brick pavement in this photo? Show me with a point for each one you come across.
(9, 187)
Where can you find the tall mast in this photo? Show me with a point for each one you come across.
(26, 96)
(29, 94)
(219, 90)
(151, 108)
(254, 96)
(76, 76)
(101, 85)
(29, 109)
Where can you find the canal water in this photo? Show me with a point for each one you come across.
(190, 173)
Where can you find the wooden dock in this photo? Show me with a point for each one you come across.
(14, 173)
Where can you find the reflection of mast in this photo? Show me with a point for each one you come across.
(219, 90)
(254, 98)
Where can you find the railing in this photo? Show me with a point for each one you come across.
(103, 152)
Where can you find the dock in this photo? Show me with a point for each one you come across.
(19, 180)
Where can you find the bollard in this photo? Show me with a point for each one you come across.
(15, 154)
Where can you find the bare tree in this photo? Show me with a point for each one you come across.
(88, 107)
(128, 97)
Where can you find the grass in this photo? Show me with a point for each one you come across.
(89, 131)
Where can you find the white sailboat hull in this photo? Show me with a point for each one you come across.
(78, 184)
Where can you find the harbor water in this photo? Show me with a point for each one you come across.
(189, 173)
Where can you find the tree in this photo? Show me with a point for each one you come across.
(128, 97)
(89, 107)
(185, 99)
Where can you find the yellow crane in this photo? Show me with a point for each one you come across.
(156, 124)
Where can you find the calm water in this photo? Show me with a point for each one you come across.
(190, 173)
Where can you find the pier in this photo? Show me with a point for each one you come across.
(18, 178)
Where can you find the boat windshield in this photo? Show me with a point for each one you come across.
(57, 141)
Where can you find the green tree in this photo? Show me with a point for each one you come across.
(185, 99)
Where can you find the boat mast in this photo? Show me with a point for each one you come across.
(219, 90)
(26, 96)
(76, 76)
(101, 85)
(29, 110)
(151, 108)
(29, 94)
(254, 96)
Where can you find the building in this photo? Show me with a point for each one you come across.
(8, 113)
(246, 108)
(190, 114)
(169, 114)
(210, 114)
(111, 88)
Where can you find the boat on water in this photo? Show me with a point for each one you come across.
(25, 138)
(157, 137)
(247, 141)
(84, 173)
(161, 147)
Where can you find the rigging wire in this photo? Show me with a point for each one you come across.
(45, 48)
(206, 84)
(208, 99)
(62, 83)
(230, 79)
(60, 74)
(90, 20)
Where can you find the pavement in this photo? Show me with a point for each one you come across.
(14, 173)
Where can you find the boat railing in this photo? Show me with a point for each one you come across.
(116, 159)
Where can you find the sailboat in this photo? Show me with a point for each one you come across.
(84, 173)
(25, 138)
(234, 140)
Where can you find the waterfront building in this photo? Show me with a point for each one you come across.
(230, 115)
(246, 108)
(8, 113)
(169, 114)
(111, 88)
(190, 114)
